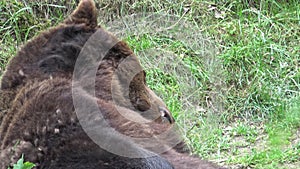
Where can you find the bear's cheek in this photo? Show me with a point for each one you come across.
(142, 104)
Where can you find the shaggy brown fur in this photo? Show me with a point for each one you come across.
(38, 117)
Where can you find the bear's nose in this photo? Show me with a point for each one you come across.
(165, 113)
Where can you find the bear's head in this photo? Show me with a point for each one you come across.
(54, 53)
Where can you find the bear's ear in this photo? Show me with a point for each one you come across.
(85, 13)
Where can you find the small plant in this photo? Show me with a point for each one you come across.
(21, 165)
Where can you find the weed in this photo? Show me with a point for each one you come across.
(21, 165)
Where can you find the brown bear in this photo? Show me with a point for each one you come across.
(50, 114)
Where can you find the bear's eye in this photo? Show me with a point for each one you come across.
(145, 75)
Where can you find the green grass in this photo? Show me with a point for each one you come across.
(281, 145)
(230, 74)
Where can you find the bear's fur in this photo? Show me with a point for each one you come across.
(38, 117)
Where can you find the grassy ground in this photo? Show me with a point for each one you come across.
(228, 70)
